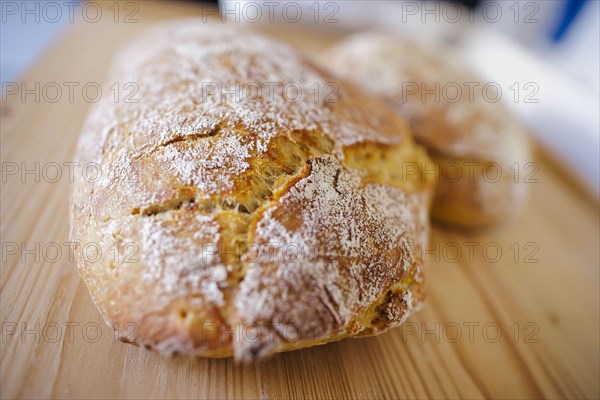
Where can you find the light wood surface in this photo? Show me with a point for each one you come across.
(55, 344)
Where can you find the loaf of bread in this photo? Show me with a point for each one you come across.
(245, 222)
(480, 150)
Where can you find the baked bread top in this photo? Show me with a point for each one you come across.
(245, 223)
(451, 110)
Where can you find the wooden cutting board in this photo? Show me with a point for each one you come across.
(522, 323)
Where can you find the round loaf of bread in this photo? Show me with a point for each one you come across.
(481, 151)
(244, 202)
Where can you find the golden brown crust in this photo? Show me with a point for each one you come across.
(452, 115)
(245, 227)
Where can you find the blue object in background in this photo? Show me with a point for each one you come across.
(572, 10)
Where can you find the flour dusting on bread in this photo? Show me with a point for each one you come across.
(204, 180)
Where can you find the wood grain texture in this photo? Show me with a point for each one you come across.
(55, 344)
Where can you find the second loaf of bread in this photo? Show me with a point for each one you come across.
(481, 150)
